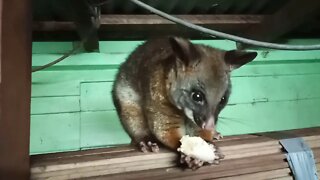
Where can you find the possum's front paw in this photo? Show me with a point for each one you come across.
(219, 153)
(195, 152)
(190, 161)
(149, 146)
(193, 163)
(217, 135)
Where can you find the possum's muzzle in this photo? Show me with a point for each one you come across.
(205, 123)
(208, 124)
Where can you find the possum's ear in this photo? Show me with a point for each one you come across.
(235, 58)
(184, 50)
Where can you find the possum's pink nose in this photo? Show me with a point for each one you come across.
(209, 124)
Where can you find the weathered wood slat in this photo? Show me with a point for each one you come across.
(127, 156)
(126, 20)
(106, 169)
(277, 174)
(283, 178)
(262, 175)
(214, 172)
(142, 26)
(196, 19)
(254, 156)
(55, 156)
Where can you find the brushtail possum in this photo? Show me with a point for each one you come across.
(170, 87)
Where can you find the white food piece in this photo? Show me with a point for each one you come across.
(197, 148)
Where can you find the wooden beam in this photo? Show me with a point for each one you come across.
(145, 26)
(246, 156)
(15, 88)
(83, 16)
(195, 19)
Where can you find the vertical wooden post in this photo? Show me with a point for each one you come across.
(15, 88)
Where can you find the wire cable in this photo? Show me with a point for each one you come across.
(58, 60)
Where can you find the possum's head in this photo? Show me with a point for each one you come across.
(199, 81)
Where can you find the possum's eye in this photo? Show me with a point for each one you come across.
(223, 99)
(197, 96)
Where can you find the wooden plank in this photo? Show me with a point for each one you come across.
(272, 88)
(51, 47)
(101, 128)
(98, 60)
(195, 19)
(258, 151)
(283, 178)
(276, 70)
(213, 172)
(15, 88)
(45, 88)
(64, 104)
(105, 169)
(96, 96)
(232, 169)
(237, 117)
(262, 175)
(274, 166)
(143, 26)
(290, 177)
(131, 166)
(282, 174)
(58, 161)
(44, 158)
(76, 59)
(107, 160)
(55, 132)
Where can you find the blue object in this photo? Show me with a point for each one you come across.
(300, 159)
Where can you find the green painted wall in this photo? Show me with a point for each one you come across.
(71, 105)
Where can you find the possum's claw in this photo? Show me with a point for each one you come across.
(153, 146)
(194, 163)
(219, 153)
(190, 161)
(217, 135)
(143, 146)
(148, 147)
